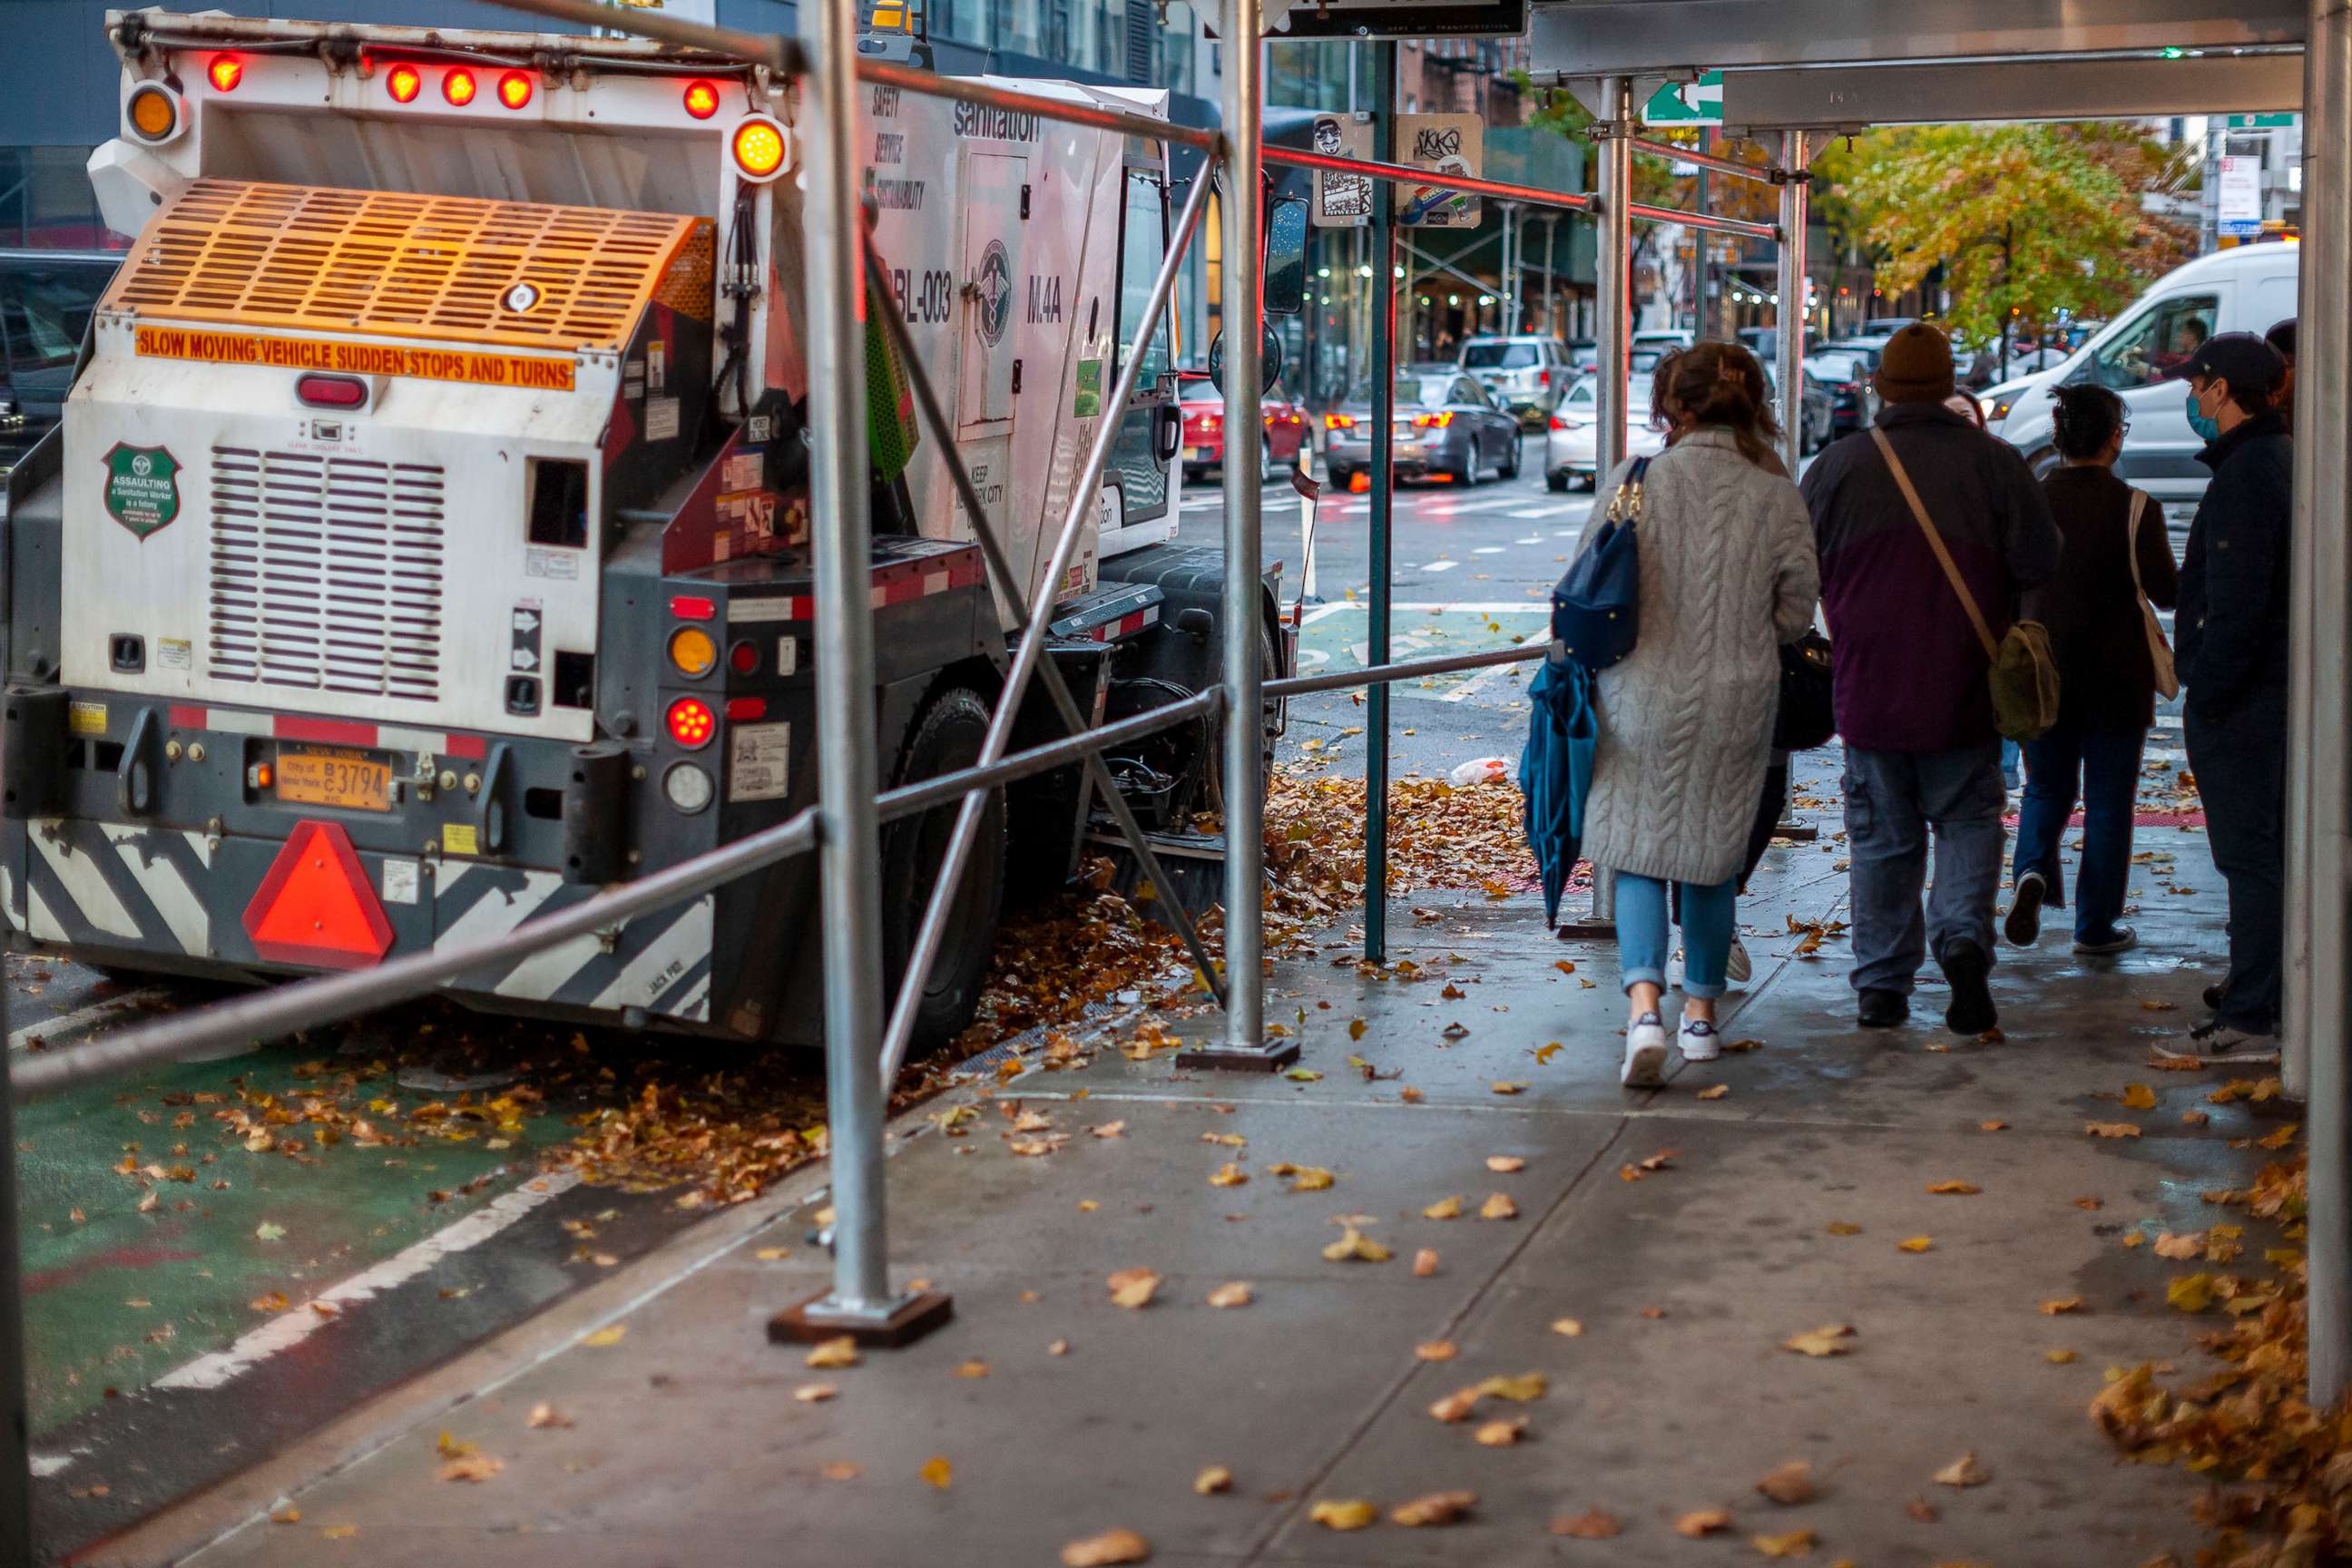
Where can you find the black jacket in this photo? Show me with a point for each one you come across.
(2232, 642)
(2106, 682)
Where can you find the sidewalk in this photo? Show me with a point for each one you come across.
(1059, 1416)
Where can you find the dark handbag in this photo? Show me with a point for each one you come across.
(1596, 608)
(1807, 712)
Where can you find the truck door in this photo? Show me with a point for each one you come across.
(991, 270)
(1139, 477)
(2141, 364)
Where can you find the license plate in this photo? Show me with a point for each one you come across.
(1196, 454)
(351, 780)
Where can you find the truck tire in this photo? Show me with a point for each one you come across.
(946, 736)
(1269, 665)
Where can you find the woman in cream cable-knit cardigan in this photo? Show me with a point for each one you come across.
(1727, 574)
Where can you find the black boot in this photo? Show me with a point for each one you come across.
(1969, 970)
(1882, 1009)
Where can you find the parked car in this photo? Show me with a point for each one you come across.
(1204, 427)
(1664, 338)
(1447, 425)
(1844, 366)
(1880, 329)
(46, 299)
(1816, 410)
(2139, 357)
(1524, 371)
(1583, 353)
(1572, 435)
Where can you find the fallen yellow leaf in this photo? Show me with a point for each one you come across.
(473, 1468)
(1958, 1189)
(1352, 1513)
(1444, 1208)
(1790, 1484)
(611, 1335)
(1501, 1434)
(840, 1470)
(545, 1415)
(1504, 1164)
(2062, 1304)
(1590, 1525)
(1498, 1206)
(1842, 1227)
(2278, 1140)
(2180, 1245)
(1229, 1174)
(1992, 1126)
(2138, 1097)
(1796, 1544)
(2092, 1205)
(1702, 1521)
(2112, 1129)
(815, 1392)
(1826, 1341)
(339, 1531)
(1963, 1471)
(1214, 1478)
(972, 1369)
(1436, 1507)
(1112, 1546)
(1568, 1326)
(2190, 1292)
(1354, 1244)
(1508, 1087)
(833, 1355)
(1526, 1387)
(1424, 1263)
(1133, 1288)
(1457, 1406)
(2057, 1357)
(450, 1447)
(938, 1471)
(286, 1514)
(1714, 1091)
(1434, 1350)
(773, 1254)
(1914, 1244)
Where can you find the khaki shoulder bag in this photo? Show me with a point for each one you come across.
(2159, 652)
(2024, 675)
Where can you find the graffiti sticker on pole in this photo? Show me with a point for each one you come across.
(1342, 201)
(1442, 144)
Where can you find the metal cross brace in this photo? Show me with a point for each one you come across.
(1002, 571)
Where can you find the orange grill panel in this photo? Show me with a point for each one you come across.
(401, 265)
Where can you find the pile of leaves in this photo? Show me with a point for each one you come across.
(1439, 837)
(2283, 1497)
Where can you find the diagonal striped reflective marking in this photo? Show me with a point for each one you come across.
(38, 918)
(144, 857)
(662, 962)
(78, 876)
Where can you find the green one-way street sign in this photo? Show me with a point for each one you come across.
(1686, 103)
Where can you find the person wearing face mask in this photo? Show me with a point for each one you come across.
(2233, 658)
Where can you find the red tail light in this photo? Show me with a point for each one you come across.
(1433, 421)
(331, 391)
(746, 708)
(403, 82)
(1338, 422)
(458, 88)
(225, 71)
(1558, 422)
(691, 722)
(514, 90)
(1543, 377)
(687, 608)
(701, 99)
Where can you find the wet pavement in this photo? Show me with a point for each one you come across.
(1687, 1238)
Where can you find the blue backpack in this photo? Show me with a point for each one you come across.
(1596, 608)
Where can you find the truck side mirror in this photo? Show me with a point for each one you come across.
(1286, 256)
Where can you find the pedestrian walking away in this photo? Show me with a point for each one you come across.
(2282, 337)
(2233, 664)
(2112, 659)
(1686, 719)
(1922, 753)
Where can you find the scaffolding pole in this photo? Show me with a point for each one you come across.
(1384, 514)
(1791, 373)
(2319, 820)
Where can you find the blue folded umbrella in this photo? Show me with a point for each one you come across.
(1556, 772)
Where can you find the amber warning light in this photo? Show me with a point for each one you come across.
(759, 145)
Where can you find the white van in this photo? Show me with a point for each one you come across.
(2246, 289)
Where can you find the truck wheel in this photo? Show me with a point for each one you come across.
(1269, 667)
(947, 736)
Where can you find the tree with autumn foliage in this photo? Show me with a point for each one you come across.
(2024, 221)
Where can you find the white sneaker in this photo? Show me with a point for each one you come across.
(1737, 968)
(1645, 1054)
(1698, 1040)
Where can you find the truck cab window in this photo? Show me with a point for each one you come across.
(1143, 245)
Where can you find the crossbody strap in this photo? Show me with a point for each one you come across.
(1936, 544)
(2140, 502)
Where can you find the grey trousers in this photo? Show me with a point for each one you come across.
(1892, 801)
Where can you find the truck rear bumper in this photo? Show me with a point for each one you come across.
(181, 902)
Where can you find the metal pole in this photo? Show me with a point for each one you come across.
(1615, 245)
(15, 1419)
(1383, 515)
(848, 831)
(2320, 828)
(1699, 250)
(1551, 230)
(1792, 371)
(1243, 261)
(1085, 496)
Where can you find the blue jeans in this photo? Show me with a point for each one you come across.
(1892, 799)
(2239, 759)
(1707, 914)
(2109, 766)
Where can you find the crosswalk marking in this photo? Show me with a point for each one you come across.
(1441, 566)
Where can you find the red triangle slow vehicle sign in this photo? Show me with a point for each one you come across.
(315, 907)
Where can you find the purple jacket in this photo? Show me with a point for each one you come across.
(1911, 673)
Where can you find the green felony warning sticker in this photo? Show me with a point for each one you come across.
(142, 488)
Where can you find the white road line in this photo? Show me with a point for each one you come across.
(1530, 539)
(289, 1329)
(1440, 566)
(1487, 549)
(1534, 512)
(1497, 671)
(49, 1029)
(1324, 612)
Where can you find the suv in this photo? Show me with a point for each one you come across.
(1526, 373)
(46, 299)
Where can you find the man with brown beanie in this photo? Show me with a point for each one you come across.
(1914, 702)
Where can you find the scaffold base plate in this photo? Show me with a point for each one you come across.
(809, 1322)
(1588, 930)
(1272, 1057)
(1797, 832)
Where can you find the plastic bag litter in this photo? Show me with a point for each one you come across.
(1480, 769)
